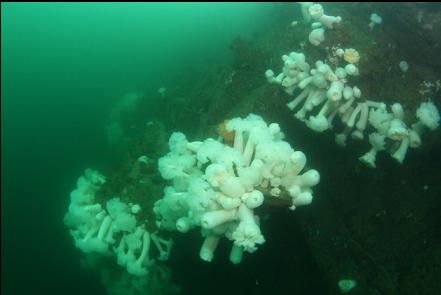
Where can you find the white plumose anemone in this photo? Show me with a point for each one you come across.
(223, 186)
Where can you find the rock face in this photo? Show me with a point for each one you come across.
(417, 26)
(380, 228)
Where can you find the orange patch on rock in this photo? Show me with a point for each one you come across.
(225, 134)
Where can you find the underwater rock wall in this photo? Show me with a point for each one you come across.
(378, 227)
(369, 223)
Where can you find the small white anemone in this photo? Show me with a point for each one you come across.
(269, 74)
(351, 56)
(428, 114)
(329, 21)
(377, 142)
(248, 235)
(397, 110)
(316, 36)
(340, 52)
(375, 20)
(397, 130)
(356, 92)
(400, 153)
(351, 70)
(316, 11)
(404, 65)
(318, 123)
(346, 285)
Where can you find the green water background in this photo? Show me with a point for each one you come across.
(63, 68)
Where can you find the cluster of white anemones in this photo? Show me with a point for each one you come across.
(217, 187)
(323, 86)
(97, 230)
(330, 88)
(315, 12)
(389, 126)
